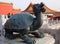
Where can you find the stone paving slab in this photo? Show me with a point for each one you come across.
(48, 39)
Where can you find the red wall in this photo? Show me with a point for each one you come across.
(6, 8)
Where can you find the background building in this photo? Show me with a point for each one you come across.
(6, 8)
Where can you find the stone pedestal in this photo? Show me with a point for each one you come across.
(53, 30)
(48, 39)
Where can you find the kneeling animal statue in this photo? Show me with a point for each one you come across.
(25, 23)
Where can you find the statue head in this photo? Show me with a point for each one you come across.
(37, 8)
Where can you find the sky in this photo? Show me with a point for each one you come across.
(23, 4)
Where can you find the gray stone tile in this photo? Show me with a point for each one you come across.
(46, 40)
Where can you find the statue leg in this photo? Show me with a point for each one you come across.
(8, 34)
(38, 35)
(25, 37)
(35, 26)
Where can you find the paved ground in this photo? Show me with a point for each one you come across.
(46, 40)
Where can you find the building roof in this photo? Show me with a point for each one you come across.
(14, 11)
(6, 3)
(48, 10)
(30, 10)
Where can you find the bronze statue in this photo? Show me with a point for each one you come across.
(25, 24)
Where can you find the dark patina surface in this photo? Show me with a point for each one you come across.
(25, 24)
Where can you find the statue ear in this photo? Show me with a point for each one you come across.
(42, 9)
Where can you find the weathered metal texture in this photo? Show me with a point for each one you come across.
(19, 21)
